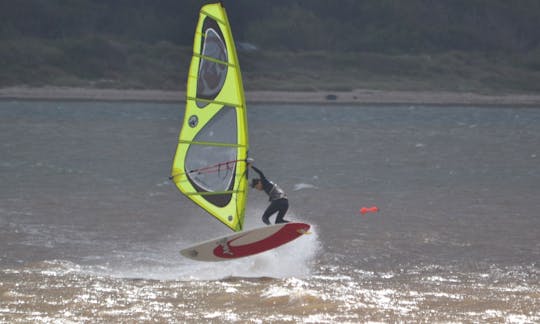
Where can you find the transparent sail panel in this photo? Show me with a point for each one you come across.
(211, 167)
(212, 74)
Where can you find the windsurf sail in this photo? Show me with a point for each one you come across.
(210, 162)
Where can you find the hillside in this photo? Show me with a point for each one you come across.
(473, 45)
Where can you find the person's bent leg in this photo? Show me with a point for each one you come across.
(273, 208)
(283, 206)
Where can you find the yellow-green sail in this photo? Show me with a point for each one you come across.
(210, 162)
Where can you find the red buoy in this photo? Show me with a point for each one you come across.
(365, 210)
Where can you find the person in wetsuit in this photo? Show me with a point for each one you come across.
(277, 197)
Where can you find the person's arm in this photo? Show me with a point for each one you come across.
(258, 171)
(267, 185)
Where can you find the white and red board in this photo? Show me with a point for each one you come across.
(246, 243)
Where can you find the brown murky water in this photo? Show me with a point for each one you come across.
(90, 227)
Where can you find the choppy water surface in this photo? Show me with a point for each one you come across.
(90, 226)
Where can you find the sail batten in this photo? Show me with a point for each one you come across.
(209, 58)
(211, 144)
(216, 18)
(210, 166)
(211, 193)
(223, 103)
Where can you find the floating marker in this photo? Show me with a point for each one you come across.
(365, 210)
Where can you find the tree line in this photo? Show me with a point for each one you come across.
(398, 26)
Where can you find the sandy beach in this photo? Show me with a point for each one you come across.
(358, 96)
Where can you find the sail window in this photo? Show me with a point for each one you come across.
(212, 71)
(211, 167)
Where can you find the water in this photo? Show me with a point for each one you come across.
(90, 226)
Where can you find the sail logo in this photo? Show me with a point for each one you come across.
(193, 121)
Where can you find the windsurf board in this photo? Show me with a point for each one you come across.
(246, 243)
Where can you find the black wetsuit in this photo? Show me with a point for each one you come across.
(278, 200)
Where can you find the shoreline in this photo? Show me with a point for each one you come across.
(358, 96)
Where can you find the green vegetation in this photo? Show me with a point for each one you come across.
(93, 62)
(461, 45)
(452, 71)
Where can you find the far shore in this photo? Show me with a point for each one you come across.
(359, 96)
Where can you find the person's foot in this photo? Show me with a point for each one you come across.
(266, 222)
(282, 221)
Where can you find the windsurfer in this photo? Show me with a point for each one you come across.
(278, 199)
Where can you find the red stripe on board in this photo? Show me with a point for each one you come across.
(286, 234)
